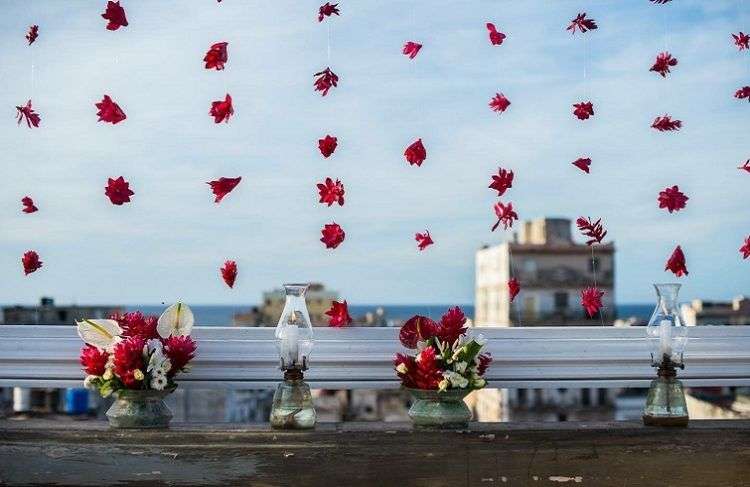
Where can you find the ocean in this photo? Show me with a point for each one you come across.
(214, 315)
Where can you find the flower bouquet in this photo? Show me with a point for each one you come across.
(447, 366)
(137, 358)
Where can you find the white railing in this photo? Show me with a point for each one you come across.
(540, 357)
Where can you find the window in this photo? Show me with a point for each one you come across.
(561, 301)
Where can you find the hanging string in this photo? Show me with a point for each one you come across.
(593, 268)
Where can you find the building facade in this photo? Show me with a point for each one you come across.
(700, 312)
(47, 313)
(552, 270)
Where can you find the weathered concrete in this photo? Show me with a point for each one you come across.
(707, 453)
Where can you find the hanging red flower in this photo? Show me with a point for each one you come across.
(505, 215)
(25, 112)
(745, 166)
(583, 110)
(93, 360)
(424, 240)
(31, 262)
(583, 163)
(222, 110)
(128, 357)
(180, 350)
(333, 235)
(327, 145)
(326, 80)
(33, 34)
(223, 186)
(109, 111)
(514, 287)
(581, 23)
(118, 191)
(591, 300)
(663, 62)
(116, 16)
(326, 10)
(745, 249)
(499, 103)
(742, 40)
(743, 92)
(666, 124)
(594, 230)
(452, 325)
(416, 153)
(417, 329)
(331, 192)
(216, 56)
(339, 315)
(502, 181)
(229, 273)
(672, 199)
(496, 38)
(411, 49)
(28, 205)
(676, 263)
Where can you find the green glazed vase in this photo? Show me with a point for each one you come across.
(139, 409)
(440, 410)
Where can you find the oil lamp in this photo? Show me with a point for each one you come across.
(292, 403)
(667, 337)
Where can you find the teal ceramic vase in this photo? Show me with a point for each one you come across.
(440, 410)
(139, 409)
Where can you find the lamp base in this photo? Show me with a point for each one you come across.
(665, 404)
(292, 403)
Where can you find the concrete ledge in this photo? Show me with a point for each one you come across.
(707, 453)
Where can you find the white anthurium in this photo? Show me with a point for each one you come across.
(176, 320)
(99, 333)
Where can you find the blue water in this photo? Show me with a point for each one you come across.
(222, 315)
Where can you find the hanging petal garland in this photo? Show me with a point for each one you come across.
(222, 110)
(502, 181)
(741, 40)
(505, 215)
(424, 240)
(591, 300)
(745, 249)
(411, 49)
(331, 192)
(28, 205)
(676, 263)
(223, 186)
(30, 262)
(496, 38)
(745, 166)
(338, 315)
(118, 191)
(327, 145)
(583, 163)
(581, 23)
(333, 235)
(216, 56)
(666, 124)
(326, 80)
(326, 10)
(27, 113)
(229, 273)
(743, 93)
(672, 199)
(663, 62)
(499, 103)
(33, 34)
(115, 14)
(583, 110)
(514, 287)
(109, 111)
(416, 153)
(593, 230)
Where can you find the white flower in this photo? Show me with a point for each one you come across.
(443, 385)
(460, 367)
(479, 383)
(88, 382)
(138, 374)
(158, 382)
(401, 368)
(154, 344)
(108, 373)
(456, 380)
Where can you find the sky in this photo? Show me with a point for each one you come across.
(169, 243)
